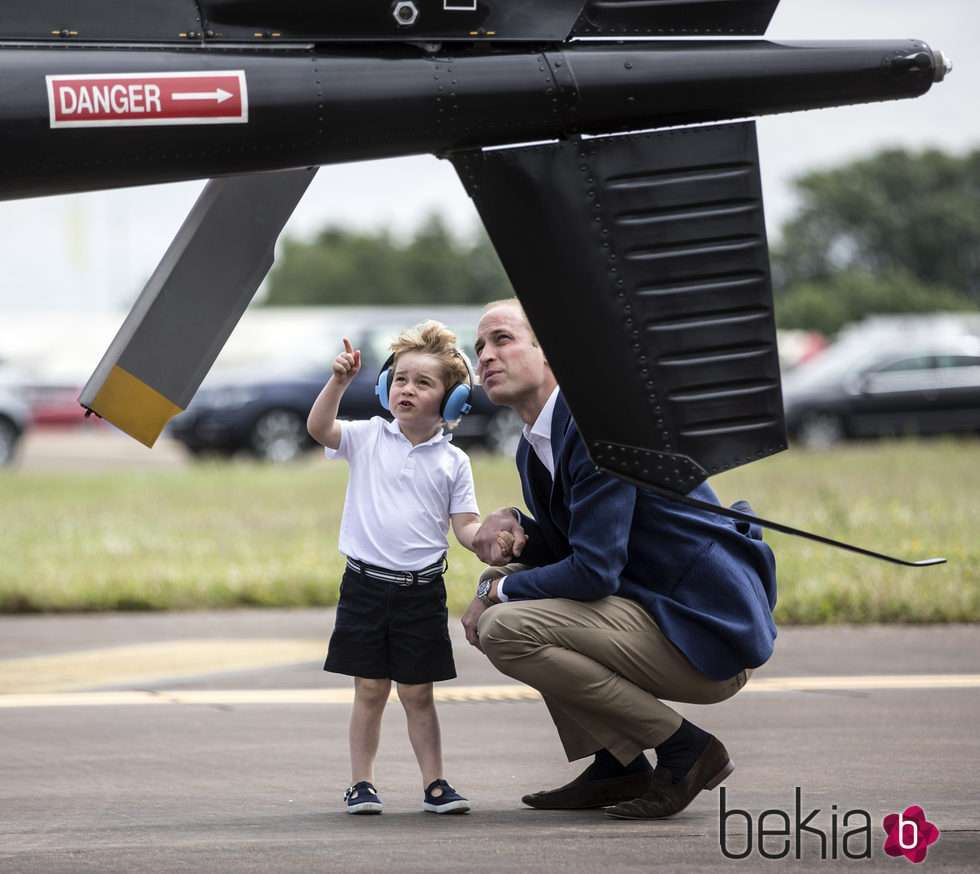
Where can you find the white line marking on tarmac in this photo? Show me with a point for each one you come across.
(144, 664)
(868, 682)
(501, 692)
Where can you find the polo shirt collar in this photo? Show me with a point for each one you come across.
(440, 436)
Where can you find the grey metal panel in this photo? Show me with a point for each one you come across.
(96, 20)
(373, 21)
(364, 21)
(675, 17)
(202, 286)
(643, 265)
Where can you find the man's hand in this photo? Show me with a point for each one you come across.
(501, 537)
(470, 618)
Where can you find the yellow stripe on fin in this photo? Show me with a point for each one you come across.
(133, 407)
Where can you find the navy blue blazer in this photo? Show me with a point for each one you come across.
(709, 586)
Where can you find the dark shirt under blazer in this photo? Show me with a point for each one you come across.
(709, 587)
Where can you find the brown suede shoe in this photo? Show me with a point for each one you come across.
(665, 798)
(583, 793)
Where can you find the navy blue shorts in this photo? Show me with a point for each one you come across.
(387, 631)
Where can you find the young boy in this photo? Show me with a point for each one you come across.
(407, 484)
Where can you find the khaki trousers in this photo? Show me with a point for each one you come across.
(602, 668)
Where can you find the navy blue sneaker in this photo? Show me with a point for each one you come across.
(448, 801)
(362, 798)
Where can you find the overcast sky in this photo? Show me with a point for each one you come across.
(93, 252)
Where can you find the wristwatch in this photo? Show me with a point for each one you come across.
(483, 592)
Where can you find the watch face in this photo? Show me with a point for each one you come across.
(483, 588)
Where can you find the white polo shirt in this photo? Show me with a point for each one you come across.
(399, 497)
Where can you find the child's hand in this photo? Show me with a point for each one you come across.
(500, 538)
(347, 364)
(505, 540)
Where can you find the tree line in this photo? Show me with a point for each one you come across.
(342, 266)
(896, 232)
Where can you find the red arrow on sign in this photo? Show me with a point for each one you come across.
(117, 100)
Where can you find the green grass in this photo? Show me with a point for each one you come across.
(226, 535)
(914, 500)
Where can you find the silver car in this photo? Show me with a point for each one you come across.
(898, 383)
(15, 416)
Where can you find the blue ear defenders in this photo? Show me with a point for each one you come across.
(456, 402)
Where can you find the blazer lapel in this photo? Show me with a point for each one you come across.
(540, 482)
(559, 424)
(539, 485)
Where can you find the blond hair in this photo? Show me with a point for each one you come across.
(434, 338)
(513, 302)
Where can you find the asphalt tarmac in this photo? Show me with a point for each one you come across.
(214, 742)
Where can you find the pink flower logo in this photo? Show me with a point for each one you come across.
(909, 834)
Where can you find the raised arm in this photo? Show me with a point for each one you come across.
(322, 422)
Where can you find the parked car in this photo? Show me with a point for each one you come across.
(15, 416)
(262, 408)
(885, 383)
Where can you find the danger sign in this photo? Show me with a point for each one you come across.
(117, 100)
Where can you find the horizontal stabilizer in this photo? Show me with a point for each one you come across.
(249, 21)
(643, 266)
(105, 20)
(193, 301)
(613, 18)
(277, 21)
